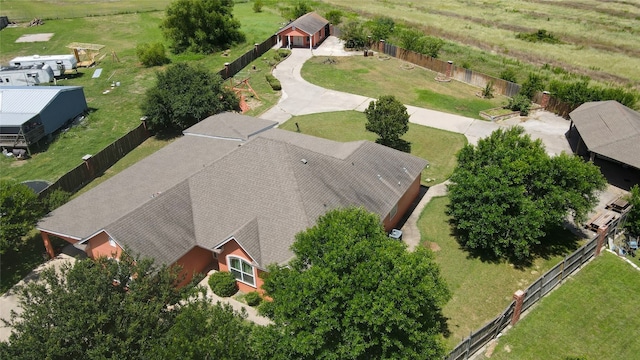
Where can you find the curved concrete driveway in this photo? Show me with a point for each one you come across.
(300, 97)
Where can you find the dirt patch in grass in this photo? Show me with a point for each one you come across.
(434, 246)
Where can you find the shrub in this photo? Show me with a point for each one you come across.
(151, 54)
(539, 36)
(509, 74)
(273, 82)
(283, 53)
(532, 85)
(334, 17)
(266, 309)
(520, 103)
(253, 298)
(257, 6)
(487, 92)
(223, 283)
(55, 199)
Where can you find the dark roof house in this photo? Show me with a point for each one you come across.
(237, 203)
(609, 130)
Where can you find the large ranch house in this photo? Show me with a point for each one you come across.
(231, 195)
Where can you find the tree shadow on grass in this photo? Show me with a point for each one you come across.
(167, 134)
(559, 241)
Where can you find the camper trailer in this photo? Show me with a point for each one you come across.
(58, 63)
(26, 75)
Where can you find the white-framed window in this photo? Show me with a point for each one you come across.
(242, 270)
(393, 212)
(112, 242)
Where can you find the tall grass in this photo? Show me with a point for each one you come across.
(601, 39)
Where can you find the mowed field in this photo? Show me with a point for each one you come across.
(601, 39)
(27, 10)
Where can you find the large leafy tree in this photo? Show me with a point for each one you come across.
(415, 40)
(185, 94)
(632, 224)
(507, 192)
(351, 292)
(206, 331)
(388, 118)
(381, 28)
(201, 26)
(19, 212)
(354, 35)
(102, 309)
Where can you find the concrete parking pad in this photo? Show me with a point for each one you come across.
(34, 37)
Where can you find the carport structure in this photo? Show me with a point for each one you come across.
(608, 130)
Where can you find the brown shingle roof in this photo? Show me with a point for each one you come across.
(310, 23)
(261, 193)
(136, 185)
(610, 129)
(230, 126)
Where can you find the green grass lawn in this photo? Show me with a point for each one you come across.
(417, 86)
(116, 113)
(594, 314)
(437, 146)
(481, 290)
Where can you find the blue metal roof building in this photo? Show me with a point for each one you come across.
(29, 113)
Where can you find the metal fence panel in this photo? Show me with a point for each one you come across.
(551, 278)
(390, 50)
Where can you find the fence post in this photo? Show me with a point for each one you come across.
(381, 46)
(87, 162)
(602, 233)
(449, 68)
(226, 70)
(255, 50)
(518, 296)
(545, 99)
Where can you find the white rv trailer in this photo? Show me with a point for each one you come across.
(59, 63)
(26, 75)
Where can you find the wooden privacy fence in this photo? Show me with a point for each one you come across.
(468, 76)
(234, 67)
(555, 105)
(98, 163)
(536, 291)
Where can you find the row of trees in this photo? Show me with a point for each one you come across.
(359, 35)
(350, 292)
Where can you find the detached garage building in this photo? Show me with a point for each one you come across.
(608, 130)
(29, 113)
(307, 31)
